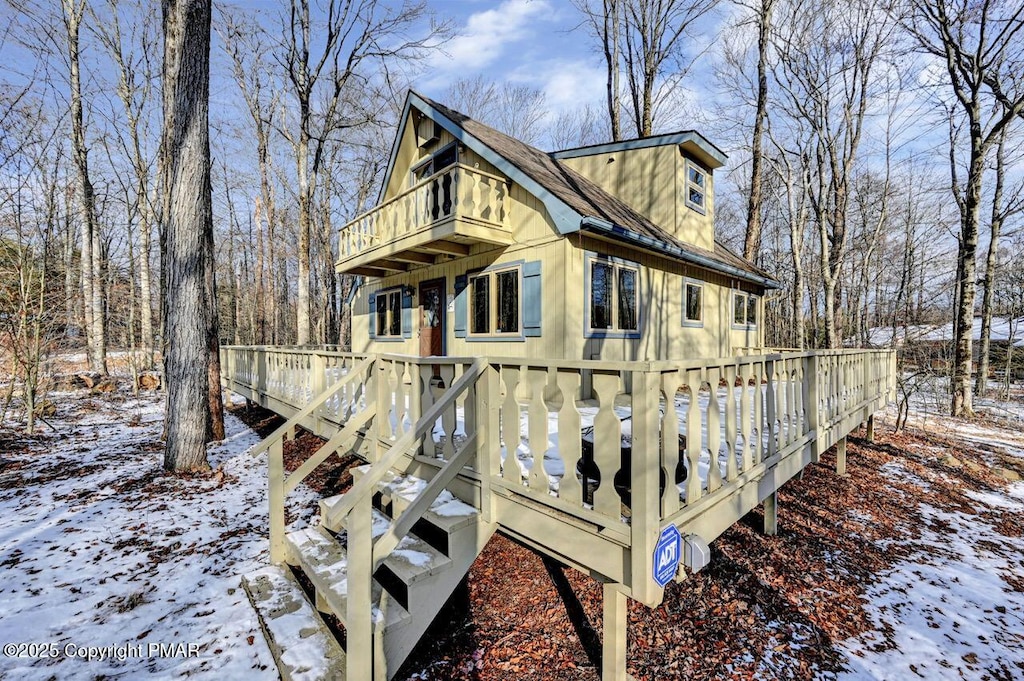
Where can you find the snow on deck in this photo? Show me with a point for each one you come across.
(554, 466)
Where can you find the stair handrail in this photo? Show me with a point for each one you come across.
(353, 373)
(367, 484)
(278, 485)
(354, 511)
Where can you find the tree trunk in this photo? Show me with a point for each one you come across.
(305, 218)
(962, 403)
(216, 399)
(752, 239)
(995, 227)
(185, 148)
(91, 258)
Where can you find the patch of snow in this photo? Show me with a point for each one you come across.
(100, 548)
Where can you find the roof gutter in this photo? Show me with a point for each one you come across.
(623, 234)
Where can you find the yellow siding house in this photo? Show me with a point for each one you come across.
(483, 245)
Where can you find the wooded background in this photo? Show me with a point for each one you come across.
(875, 158)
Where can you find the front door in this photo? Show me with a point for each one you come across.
(432, 316)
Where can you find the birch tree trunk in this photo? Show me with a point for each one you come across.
(187, 214)
(91, 258)
(995, 228)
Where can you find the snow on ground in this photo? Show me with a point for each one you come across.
(955, 608)
(103, 554)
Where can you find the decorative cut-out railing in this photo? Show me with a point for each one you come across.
(456, 192)
(625, 448)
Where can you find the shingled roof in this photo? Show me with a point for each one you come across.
(591, 201)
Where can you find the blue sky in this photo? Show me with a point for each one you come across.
(533, 42)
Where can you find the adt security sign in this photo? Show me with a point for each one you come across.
(667, 553)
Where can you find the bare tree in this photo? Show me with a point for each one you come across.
(247, 44)
(132, 55)
(1005, 204)
(752, 237)
(92, 283)
(578, 127)
(188, 217)
(604, 21)
(981, 48)
(516, 110)
(827, 57)
(353, 36)
(657, 34)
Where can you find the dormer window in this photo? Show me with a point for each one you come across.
(696, 187)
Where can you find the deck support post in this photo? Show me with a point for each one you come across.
(841, 457)
(359, 632)
(870, 429)
(275, 496)
(613, 654)
(771, 514)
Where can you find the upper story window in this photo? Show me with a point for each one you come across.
(744, 309)
(612, 296)
(439, 160)
(696, 187)
(693, 303)
(494, 302)
(389, 313)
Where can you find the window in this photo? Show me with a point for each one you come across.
(438, 161)
(494, 307)
(696, 187)
(612, 304)
(389, 313)
(744, 309)
(693, 303)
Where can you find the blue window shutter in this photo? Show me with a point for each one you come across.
(373, 314)
(407, 313)
(532, 298)
(461, 281)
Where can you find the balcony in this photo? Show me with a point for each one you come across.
(439, 218)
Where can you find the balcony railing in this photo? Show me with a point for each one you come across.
(476, 200)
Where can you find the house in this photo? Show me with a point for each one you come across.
(545, 346)
(483, 245)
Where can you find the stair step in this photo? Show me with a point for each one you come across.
(324, 561)
(447, 513)
(302, 645)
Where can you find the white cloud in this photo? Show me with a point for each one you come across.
(487, 35)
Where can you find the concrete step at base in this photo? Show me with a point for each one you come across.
(302, 645)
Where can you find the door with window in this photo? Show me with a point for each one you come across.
(432, 315)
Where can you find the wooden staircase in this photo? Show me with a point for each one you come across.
(384, 559)
(409, 588)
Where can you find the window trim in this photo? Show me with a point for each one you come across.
(386, 294)
(688, 183)
(616, 264)
(747, 298)
(685, 320)
(492, 334)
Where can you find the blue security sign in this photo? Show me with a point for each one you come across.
(667, 553)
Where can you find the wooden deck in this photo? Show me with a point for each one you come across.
(587, 462)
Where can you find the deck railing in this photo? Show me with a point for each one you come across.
(457, 191)
(626, 447)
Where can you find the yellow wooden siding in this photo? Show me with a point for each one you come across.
(550, 344)
(409, 154)
(652, 182)
(662, 334)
